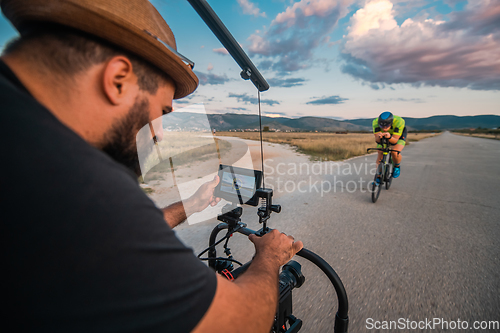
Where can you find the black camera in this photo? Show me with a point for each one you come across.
(290, 277)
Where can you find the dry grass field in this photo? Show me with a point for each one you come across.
(323, 146)
(481, 135)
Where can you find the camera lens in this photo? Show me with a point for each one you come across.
(290, 277)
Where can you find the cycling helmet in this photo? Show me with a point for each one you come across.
(385, 119)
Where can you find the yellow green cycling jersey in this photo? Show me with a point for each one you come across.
(397, 128)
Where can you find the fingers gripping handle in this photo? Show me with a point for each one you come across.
(341, 318)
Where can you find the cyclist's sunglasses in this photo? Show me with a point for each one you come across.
(171, 49)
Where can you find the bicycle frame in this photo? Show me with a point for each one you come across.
(385, 150)
(383, 174)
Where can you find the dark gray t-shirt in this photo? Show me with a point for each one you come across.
(84, 249)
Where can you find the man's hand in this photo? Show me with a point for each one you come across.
(386, 135)
(276, 246)
(203, 197)
(251, 299)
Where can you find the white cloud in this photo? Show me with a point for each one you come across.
(211, 79)
(248, 99)
(462, 52)
(319, 8)
(221, 50)
(375, 15)
(288, 44)
(250, 8)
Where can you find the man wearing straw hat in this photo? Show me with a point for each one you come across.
(85, 250)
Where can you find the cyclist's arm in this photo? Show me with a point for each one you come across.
(398, 125)
(376, 130)
(249, 303)
(394, 139)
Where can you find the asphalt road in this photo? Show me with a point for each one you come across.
(429, 248)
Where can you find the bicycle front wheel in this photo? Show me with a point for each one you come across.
(388, 175)
(375, 188)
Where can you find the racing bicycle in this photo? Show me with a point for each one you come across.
(385, 169)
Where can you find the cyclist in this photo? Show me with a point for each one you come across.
(393, 128)
(84, 249)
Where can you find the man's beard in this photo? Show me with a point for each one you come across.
(120, 142)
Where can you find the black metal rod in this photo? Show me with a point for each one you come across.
(224, 36)
(261, 144)
(334, 279)
(212, 253)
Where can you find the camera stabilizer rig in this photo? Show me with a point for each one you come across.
(291, 275)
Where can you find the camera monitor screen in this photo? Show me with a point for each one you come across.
(238, 185)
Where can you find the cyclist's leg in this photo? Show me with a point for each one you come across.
(379, 157)
(396, 158)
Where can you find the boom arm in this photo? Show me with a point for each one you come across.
(249, 71)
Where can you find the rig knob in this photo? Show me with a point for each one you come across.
(276, 208)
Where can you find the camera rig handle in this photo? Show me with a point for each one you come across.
(341, 318)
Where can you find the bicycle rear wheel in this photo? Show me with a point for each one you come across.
(375, 189)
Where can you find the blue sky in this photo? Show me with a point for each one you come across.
(344, 58)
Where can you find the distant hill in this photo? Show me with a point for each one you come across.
(231, 121)
(443, 122)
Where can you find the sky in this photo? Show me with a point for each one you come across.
(343, 59)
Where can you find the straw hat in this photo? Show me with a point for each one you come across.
(134, 25)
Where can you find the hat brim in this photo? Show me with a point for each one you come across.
(110, 27)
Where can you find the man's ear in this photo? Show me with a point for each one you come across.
(119, 81)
